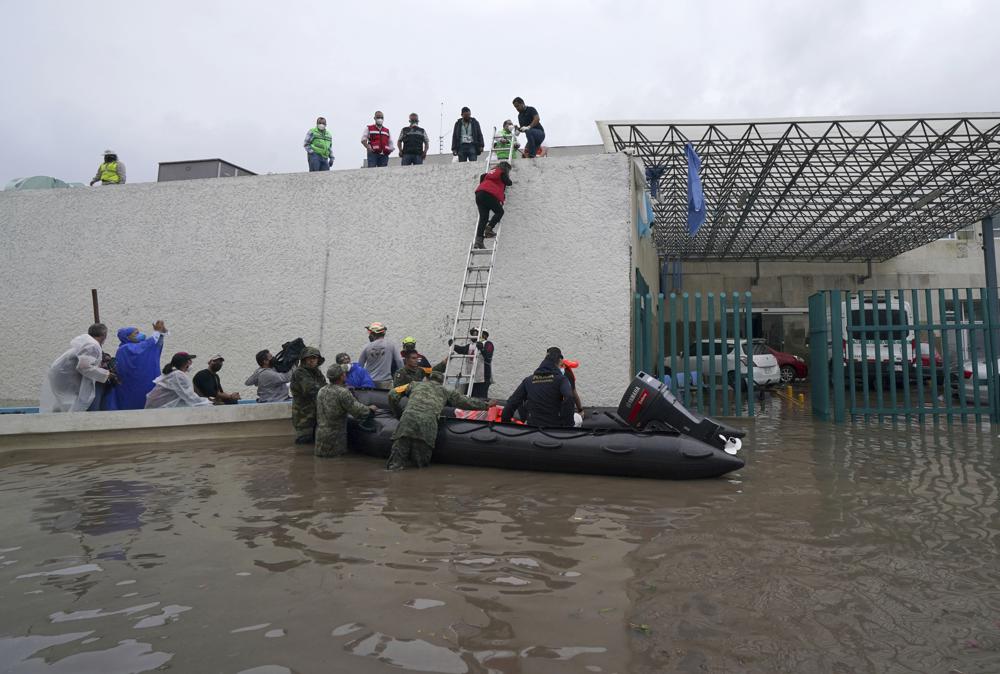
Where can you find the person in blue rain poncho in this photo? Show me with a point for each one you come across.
(137, 364)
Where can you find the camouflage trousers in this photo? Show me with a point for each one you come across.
(330, 444)
(305, 434)
(409, 453)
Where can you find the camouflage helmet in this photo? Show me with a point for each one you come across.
(311, 351)
(436, 375)
(335, 372)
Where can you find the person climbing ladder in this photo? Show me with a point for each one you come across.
(490, 195)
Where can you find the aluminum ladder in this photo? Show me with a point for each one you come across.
(471, 312)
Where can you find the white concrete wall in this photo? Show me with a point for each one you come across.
(238, 265)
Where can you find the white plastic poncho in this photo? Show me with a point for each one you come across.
(70, 383)
(174, 390)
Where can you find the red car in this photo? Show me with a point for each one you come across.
(792, 367)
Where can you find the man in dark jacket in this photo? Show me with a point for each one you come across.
(547, 395)
(467, 138)
(413, 143)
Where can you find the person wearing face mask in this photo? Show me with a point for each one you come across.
(467, 137)
(504, 143)
(137, 364)
(546, 395)
(208, 384)
(318, 146)
(413, 143)
(173, 388)
(377, 141)
(357, 376)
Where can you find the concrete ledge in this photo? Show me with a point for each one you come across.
(88, 429)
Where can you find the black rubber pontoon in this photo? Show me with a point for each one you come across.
(626, 453)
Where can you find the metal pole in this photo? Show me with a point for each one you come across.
(97, 309)
(992, 317)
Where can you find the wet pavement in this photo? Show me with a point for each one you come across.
(850, 549)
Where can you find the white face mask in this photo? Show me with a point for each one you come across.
(321, 127)
(378, 120)
(508, 127)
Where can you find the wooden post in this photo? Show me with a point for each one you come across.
(97, 309)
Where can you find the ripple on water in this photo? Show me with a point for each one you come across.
(413, 654)
(69, 571)
(421, 604)
(169, 614)
(266, 669)
(129, 656)
(62, 617)
(344, 630)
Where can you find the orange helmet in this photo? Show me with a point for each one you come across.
(376, 328)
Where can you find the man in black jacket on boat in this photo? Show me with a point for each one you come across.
(547, 395)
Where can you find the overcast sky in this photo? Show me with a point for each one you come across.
(177, 79)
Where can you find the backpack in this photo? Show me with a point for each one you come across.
(289, 355)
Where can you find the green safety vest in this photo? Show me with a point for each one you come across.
(109, 173)
(321, 142)
(501, 145)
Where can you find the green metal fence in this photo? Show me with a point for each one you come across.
(904, 354)
(703, 348)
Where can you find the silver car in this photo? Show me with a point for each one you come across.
(975, 388)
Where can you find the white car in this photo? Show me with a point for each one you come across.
(976, 388)
(724, 354)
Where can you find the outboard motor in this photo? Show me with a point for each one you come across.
(648, 404)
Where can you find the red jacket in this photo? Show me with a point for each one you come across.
(378, 139)
(495, 183)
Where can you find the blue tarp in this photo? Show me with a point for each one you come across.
(646, 215)
(696, 197)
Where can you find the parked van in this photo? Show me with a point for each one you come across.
(878, 332)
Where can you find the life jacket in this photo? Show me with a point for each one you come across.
(321, 141)
(378, 139)
(289, 355)
(413, 140)
(109, 172)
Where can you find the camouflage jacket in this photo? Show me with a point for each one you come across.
(306, 383)
(427, 398)
(407, 376)
(333, 404)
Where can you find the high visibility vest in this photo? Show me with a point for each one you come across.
(501, 144)
(109, 172)
(321, 141)
(378, 139)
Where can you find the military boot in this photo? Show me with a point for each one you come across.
(479, 245)
(489, 232)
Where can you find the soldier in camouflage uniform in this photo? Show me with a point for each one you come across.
(411, 370)
(333, 403)
(307, 380)
(413, 441)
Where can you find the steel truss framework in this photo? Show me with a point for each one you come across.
(818, 189)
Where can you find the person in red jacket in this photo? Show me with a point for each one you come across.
(490, 195)
(378, 142)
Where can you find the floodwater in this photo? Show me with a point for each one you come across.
(850, 549)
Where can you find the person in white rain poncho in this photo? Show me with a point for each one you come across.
(71, 382)
(173, 388)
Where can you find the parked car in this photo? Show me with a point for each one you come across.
(724, 355)
(926, 353)
(976, 388)
(791, 367)
(877, 350)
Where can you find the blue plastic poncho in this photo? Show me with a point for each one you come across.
(138, 364)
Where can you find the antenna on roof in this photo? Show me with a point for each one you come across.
(441, 131)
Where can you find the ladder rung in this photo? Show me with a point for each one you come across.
(477, 268)
(476, 285)
(473, 303)
(481, 251)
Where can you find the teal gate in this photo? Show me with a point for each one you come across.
(911, 354)
(703, 349)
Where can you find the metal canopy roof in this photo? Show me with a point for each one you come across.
(853, 188)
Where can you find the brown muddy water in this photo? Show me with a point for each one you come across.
(851, 549)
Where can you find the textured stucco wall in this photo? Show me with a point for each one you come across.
(241, 264)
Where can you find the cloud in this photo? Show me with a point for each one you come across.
(245, 80)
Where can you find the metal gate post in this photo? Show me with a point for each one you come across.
(992, 318)
(819, 373)
(838, 307)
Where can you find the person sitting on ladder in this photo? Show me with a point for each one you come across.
(490, 195)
